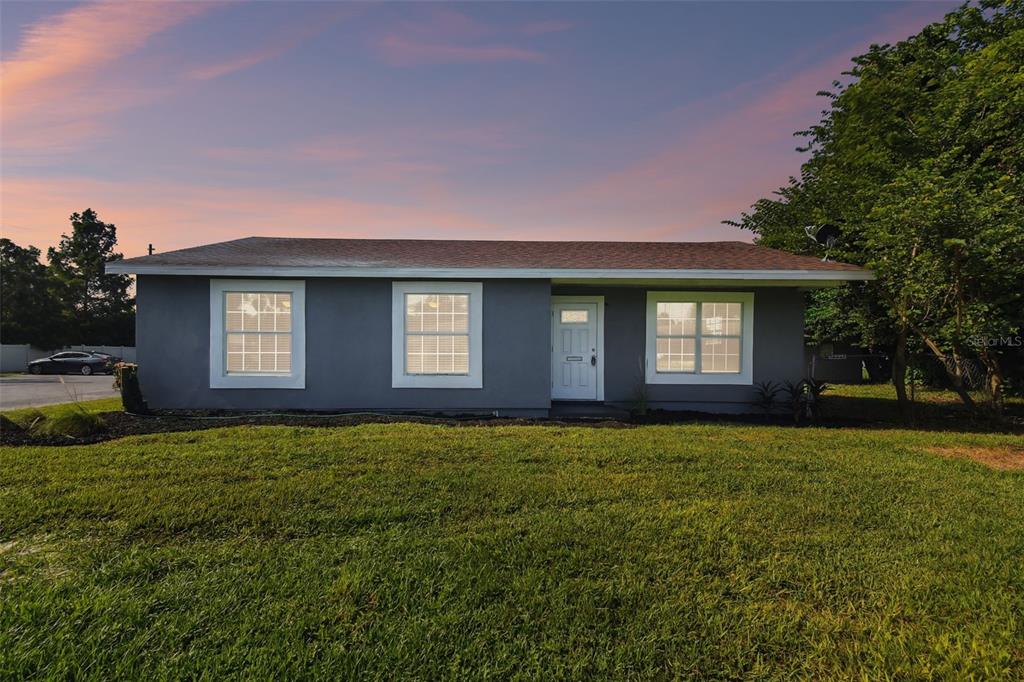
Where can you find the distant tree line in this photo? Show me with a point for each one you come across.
(69, 300)
(919, 163)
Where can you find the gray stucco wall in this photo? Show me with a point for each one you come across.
(778, 349)
(348, 350)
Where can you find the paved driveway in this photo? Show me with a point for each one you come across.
(46, 389)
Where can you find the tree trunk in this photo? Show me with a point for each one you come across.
(899, 371)
(993, 380)
(954, 374)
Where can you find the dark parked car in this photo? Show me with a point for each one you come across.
(111, 359)
(72, 362)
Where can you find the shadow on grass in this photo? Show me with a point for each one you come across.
(878, 412)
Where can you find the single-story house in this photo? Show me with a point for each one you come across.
(492, 327)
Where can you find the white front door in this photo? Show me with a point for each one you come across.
(574, 350)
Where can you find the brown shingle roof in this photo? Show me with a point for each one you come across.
(253, 252)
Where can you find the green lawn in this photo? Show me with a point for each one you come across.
(406, 550)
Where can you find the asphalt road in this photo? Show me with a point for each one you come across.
(28, 390)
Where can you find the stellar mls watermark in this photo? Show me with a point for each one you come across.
(1011, 341)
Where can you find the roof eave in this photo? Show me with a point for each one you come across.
(564, 274)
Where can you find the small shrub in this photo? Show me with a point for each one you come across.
(767, 394)
(639, 406)
(804, 398)
(812, 397)
(73, 422)
(794, 393)
(126, 379)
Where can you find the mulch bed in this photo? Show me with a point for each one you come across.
(120, 424)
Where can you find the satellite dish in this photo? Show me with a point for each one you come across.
(824, 235)
(828, 235)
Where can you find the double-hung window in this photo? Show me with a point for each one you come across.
(699, 337)
(257, 334)
(436, 335)
(721, 336)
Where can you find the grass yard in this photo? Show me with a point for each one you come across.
(418, 551)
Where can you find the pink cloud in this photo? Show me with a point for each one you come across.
(493, 136)
(401, 51)
(377, 157)
(289, 39)
(445, 36)
(542, 27)
(332, 149)
(66, 50)
(392, 154)
(239, 63)
(445, 21)
(80, 55)
(67, 58)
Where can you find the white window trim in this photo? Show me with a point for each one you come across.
(745, 377)
(399, 379)
(219, 378)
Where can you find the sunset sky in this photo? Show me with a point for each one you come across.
(187, 123)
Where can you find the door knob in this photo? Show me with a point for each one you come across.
(593, 360)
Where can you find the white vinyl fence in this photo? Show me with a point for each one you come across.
(14, 357)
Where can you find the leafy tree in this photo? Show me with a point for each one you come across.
(98, 306)
(29, 310)
(919, 160)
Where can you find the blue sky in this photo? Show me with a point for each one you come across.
(186, 123)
